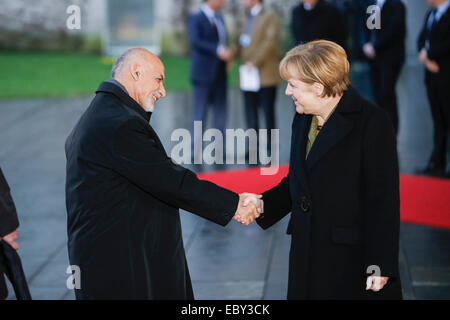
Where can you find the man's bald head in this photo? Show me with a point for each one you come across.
(135, 54)
(142, 74)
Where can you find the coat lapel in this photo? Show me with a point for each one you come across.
(338, 126)
(334, 130)
(298, 148)
(133, 105)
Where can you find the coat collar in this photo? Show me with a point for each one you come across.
(336, 128)
(111, 88)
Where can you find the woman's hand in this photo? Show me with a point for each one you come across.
(376, 283)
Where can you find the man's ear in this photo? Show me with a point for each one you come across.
(135, 71)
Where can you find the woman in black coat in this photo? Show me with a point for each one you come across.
(342, 187)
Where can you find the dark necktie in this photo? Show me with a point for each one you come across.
(432, 25)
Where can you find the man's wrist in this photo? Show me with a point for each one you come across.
(220, 48)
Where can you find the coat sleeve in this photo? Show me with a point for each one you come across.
(196, 41)
(341, 28)
(392, 26)
(381, 195)
(277, 204)
(440, 49)
(270, 43)
(296, 25)
(138, 158)
(8, 214)
(421, 38)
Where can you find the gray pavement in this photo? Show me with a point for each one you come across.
(225, 263)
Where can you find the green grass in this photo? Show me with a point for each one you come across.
(29, 75)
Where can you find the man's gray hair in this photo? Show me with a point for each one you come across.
(124, 58)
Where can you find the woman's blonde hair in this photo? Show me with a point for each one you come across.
(320, 61)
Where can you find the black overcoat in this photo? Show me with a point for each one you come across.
(123, 195)
(9, 222)
(345, 204)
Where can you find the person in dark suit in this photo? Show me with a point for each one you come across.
(385, 50)
(208, 72)
(342, 187)
(8, 228)
(123, 192)
(317, 19)
(434, 53)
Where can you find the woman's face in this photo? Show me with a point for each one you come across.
(305, 96)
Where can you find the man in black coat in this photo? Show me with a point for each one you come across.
(123, 192)
(434, 53)
(385, 49)
(317, 19)
(8, 228)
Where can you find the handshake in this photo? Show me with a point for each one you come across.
(250, 207)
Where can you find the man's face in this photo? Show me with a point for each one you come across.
(311, 2)
(435, 3)
(216, 5)
(150, 86)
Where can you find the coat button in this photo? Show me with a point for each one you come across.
(305, 204)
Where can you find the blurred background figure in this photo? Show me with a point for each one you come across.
(356, 14)
(209, 57)
(385, 49)
(317, 19)
(434, 54)
(258, 47)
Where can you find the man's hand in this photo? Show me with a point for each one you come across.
(423, 56)
(225, 54)
(369, 50)
(255, 199)
(432, 66)
(11, 239)
(246, 214)
(376, 283)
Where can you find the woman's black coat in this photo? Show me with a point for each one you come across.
(345, 204)
(123, 194)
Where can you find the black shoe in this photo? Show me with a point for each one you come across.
(432, 169)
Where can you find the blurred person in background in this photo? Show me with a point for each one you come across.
(209, 58)
(385, 51)
(434, 54)
(258, 47)
(317, 19)
(8, 228)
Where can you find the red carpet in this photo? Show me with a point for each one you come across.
(423, 200)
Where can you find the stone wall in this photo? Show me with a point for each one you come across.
(41, 24)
